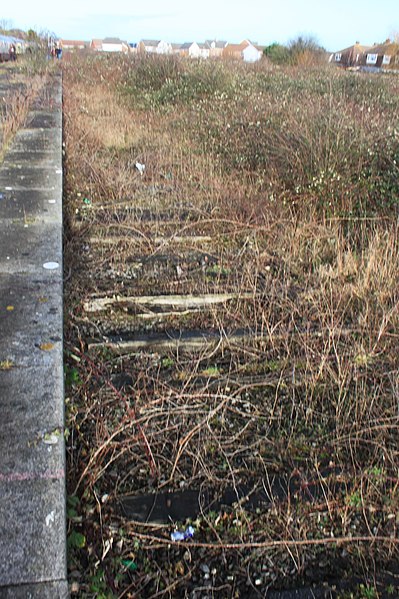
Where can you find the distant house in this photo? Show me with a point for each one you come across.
(194, 50)
(246, 51)
(96, 45)
(234, 51)
(384, 56)
(216, 47)
(114, 44)
(190, 49)
(176, 48)
(155, 47)
(164, 47)
(252, 53)
(73, 44)
(148, 46)
(204, 50)
(350, 57)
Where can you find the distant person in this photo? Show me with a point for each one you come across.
(58, 50)
(13, 52)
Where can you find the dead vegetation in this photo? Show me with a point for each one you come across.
(17, 92)
(231, 323)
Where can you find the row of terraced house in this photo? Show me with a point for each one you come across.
(383, 56)
(246, 50)
(376, 57)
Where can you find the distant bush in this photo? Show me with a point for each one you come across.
(164, 81)
(151, 72)
(316, 138)
(277, 53)
(310, 139)
(302, 51)
(305, 51)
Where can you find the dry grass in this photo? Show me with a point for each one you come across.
(14, 105)
(277, 185)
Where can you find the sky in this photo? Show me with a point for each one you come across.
(335, 24)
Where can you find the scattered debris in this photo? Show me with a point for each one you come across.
(179, 302)
(129, 564)
(51, 265)
(182, 535)
(140, 167)
(50, 518)
(6, 364)
(46, 346)
(52, 438)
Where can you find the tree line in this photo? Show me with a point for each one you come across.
(301, 51)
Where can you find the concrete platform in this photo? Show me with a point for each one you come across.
(32, 449)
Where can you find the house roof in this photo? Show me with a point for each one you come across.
(151, 42)
(113, 40)
(387, 48)
(187, 45)
(73, 43)
(216, 44)
(356, 49)
(252, 46)
(236, 47)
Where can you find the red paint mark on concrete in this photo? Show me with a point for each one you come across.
(22, 476)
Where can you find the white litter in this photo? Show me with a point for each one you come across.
(51, 439)
(140, 167)
(51, 265)
(50, 518)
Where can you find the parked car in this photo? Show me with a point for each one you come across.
(5, 42)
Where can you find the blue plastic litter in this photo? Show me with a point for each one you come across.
(179, 535)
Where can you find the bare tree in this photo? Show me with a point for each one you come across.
(5, 25)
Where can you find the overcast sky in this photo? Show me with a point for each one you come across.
(335, 23)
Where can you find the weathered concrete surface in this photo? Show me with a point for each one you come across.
(32, 450)
(47, 590)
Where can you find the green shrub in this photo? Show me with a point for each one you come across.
(165, 81)
(277, 53)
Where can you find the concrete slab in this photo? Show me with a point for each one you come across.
(32, 140)
(41, 119)
(32, 449)
(26, 246)
(30, 534)
(25, 158)
(44, 590)
(27, 204)
(11, 87)
(26, 176)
